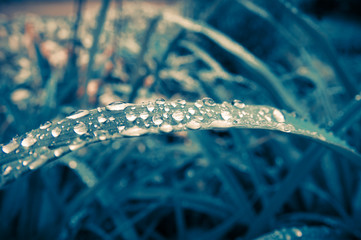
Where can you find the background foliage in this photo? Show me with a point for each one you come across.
(215, 184)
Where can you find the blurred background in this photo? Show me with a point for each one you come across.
(303, 56)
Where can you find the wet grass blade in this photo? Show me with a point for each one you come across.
(52, 140)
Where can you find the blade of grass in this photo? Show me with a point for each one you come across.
(51, 141)
(94, 48)
(254, 65)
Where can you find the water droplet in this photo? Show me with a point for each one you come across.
(193, 124)
(11, 146)
(28, 141)
(117, 106)
(358, 97)
(144, 115)
(209, 102)
(238, 104)
(178, 115)
(58, 152)
(167, 128)
(121, 128)
(278, 115)
(102, 119)
(181, 101)
(76, 145)
(111, 119)
(226, 115)
(134, 131)
(78, 114)
(80, 128)
(157, 119)
(191, 111)
(130, 116)
(101, 134)
(160, 101)
(150, 107)
(45, 125)
(7, 170)
(220, 124)
(40, 161)
(56, 132)
(198, 104)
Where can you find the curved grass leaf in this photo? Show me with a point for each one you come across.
(117, 120)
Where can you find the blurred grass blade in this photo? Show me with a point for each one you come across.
(249, 61)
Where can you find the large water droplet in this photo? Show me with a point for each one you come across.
(160, 101)
(278, 115)
(78, 114)
(11, 146)
(56, 132)
(102, 119)
(178, 115)
(167, 128)
(238, 104)
(193, 124)
(209, 102)
(130, 116)
(80, 128)
(226, 115)
(45, 125)
(117, 106)
(28, 141)
(157, 119)
(150, 107)
(134, 131)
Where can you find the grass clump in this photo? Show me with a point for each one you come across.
(282, 162)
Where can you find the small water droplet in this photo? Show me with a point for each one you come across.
(58, 152)
(198, 104)
(7, 170)
(167, 128)
(40, 161)
(278, 115)
(11, 146)
(193, 124)
(28, 141)
(178, 115)
(209, 102)
(238, 104)
(144, 115)
(80, 128)
(134, 131)
(111, 119)
(121, 128)
(150, 107)
(181, 101)
(78, 114)
(45, 125)
(191, 111)
(358, 97)
(117, 106)
(101, 134)
(160, 101)
(130, 116)
(157, 119)
(226, 115)
(102, 119)
(56, 132)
